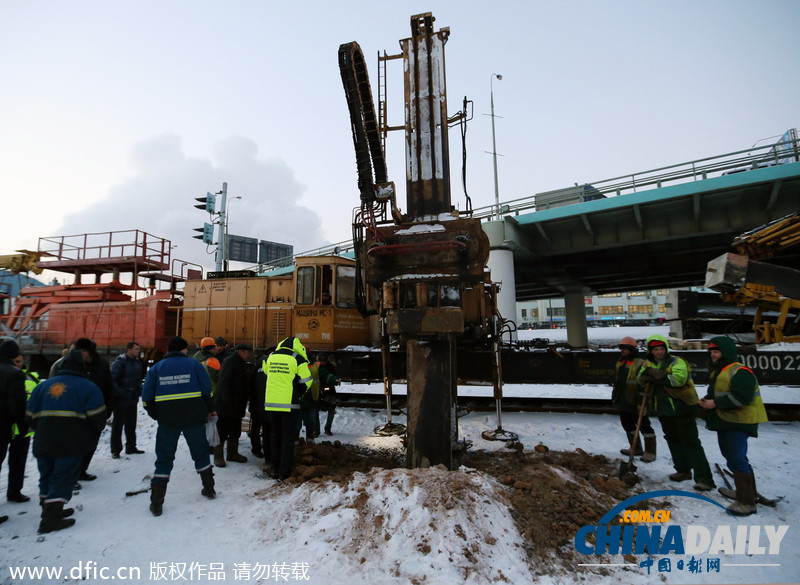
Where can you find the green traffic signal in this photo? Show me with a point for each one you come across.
(209, 202)
(207, 232)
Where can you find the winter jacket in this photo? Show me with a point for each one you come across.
(310, 398)
(258, 391)
(127, 374)
(735, 391)
(98, 372)
(12, 399)
(674, 394)
(212, 363)
(626, 393)
(32, 380)
(177, 391)
(67, 412)
(233, 387)
(288, 376)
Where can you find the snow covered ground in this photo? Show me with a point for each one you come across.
(387, 526)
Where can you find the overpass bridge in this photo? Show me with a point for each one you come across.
(652, 230)
(648, 230)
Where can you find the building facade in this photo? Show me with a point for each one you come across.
(631, 308)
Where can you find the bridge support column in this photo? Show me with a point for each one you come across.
(575, 307)
(501, 265)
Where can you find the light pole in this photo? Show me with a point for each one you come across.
(494, 143)
(227, 221)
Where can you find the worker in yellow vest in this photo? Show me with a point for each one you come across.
(734, 408)
(20, 443)
(288, 378)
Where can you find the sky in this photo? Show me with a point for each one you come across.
(340, 531)
(116, 115)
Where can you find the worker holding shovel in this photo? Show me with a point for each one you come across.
(626, 396)
(667, 379)
(734, 408)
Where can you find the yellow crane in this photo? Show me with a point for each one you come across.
(22, 261)
(744, 279)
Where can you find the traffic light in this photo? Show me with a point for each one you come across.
(209, 202)
(208, 233)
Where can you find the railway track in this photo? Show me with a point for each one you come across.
(775, 412)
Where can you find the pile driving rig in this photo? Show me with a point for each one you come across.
(425, 272)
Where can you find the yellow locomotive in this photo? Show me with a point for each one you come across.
(314, 300)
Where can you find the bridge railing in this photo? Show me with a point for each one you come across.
(697, 170)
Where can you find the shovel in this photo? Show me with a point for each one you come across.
(629, 467)
(771, 502)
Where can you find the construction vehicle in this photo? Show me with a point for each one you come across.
(140, 293)
(762, 273)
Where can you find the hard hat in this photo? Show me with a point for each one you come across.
(206, 342)
(628, 341)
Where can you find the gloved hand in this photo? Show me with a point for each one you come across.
(656, 374)
(645, 378)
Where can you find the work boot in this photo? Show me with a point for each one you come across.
(65, 512)
(745, 503)
(207, 477)
(53, 518)
(627, 450)
(680, 476)
(233, 452)
(158, 489)
(649, 454)
(19, 497)
(257, 452)
(219, 456)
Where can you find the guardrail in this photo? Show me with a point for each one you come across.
(696, 170)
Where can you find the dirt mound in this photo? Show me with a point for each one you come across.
(549, 494)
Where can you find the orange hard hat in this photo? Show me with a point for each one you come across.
(628, 341)
(206, 341)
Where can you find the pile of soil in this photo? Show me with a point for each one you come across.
(550, 494)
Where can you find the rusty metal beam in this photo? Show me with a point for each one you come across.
(432, 423)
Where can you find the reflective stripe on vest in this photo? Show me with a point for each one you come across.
(280, 407)
(60, 414)
(178, 396)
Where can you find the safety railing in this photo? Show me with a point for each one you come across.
(783, 152)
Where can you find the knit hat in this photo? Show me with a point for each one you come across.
(9, 349)
(73, 362)
(177, 344)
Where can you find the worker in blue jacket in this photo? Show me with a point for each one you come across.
(67, 413)
(177, 394)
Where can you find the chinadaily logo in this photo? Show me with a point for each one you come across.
(693, 548)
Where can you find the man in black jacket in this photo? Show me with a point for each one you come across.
(12, 399)
(127, 373)
(233, 391)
